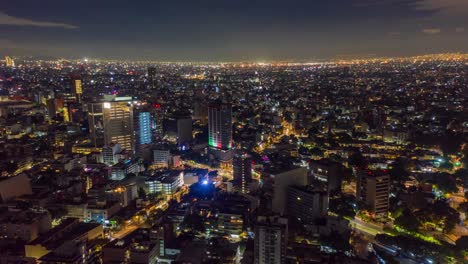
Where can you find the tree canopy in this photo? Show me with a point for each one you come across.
(408, 221)
(399, 170)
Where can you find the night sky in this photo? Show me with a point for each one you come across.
(232, 30)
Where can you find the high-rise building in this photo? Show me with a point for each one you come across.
(142, 128)
(109, 154)
(184, 130)
(220, 130)
(200, 109)
(152, 77)
(179, 127)
(283, 177)
(161, 156)
(162, 234)
(78, 89)
(305, 204)
(118, 122)
(373, 188)
(96, 124)
(9, 61)
(327, 171)
(242, 171)
(51, 108)
(157, 112)
(271, 238)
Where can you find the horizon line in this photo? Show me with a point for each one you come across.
(463, 55)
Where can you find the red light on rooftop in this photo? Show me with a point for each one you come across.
(156, 105)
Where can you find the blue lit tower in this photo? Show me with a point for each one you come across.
(142, 128)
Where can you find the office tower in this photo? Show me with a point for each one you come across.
(166, 183)
(373, 188)
(96, 124)
(271, 239)
(162, 235)
(51, 108)
(220, 130)
(109, 154)
(120, 170)
(118, 122)
(157, 112)
(283, 177)
(161, 157)
(152, 77)
(9, 62)
(75, 112)
(144, 131)
(242, 171)
(305, 204)
(178, 126)
(327, 171)
(78, 89)
(200, 109)
(184, 130)
(142, 128)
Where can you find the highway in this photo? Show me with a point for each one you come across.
(364, 227)
(162, 205)
(125, 231)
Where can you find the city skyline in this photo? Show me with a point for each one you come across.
(354, 161)
(234, 132)
(227, 31)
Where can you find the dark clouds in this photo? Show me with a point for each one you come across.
(232, 30)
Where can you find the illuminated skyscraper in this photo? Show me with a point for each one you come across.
(220, 130)
(118, 122)
(142, 128)
(9, 61)
(78, 89)
(242, 171)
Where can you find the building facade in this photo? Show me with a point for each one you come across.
(306, 204)
(373, 188)
(220, 130)
(271, 238)
(242, 171)
(118, 122)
